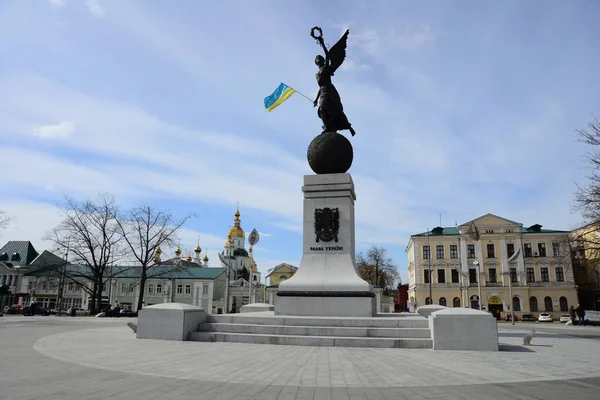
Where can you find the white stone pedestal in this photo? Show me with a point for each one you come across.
(327, 282)
(463, 329)
(169, 321)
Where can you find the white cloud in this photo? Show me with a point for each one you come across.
(57, 3)
(62, 130)
(31, 221)
(410, 38)
(95, 8)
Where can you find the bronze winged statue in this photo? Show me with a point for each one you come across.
(328, 99)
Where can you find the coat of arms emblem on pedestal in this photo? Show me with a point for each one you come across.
(327, 224)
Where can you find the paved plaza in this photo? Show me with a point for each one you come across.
(88, 358)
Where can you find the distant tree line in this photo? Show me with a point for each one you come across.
(377, 268)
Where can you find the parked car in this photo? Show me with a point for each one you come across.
(78, 311)
(544, 317)
(35, 309)
(564, 318)
(128, 313)
(528, 317)
(11, 310)
(508, 317)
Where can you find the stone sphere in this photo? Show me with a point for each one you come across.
(330, 153)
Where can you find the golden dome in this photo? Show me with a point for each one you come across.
(250, 249)
(189, 258)
(198, 249)
(157, 259)
(228, 241)
(158, 250)
(236, 230)
(205, 259)
(178, 251)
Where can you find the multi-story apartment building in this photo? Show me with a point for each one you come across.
(447, 266)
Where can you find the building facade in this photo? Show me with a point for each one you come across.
(497, 256)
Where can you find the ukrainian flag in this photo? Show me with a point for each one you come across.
(281, 94)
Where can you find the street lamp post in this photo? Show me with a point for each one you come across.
(227, 278)
(510, 296)
(253, 238)
(476, 264)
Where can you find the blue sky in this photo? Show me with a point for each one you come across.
(461, 108)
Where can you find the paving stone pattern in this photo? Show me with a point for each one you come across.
(86, 358)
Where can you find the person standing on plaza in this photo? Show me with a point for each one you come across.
(580, 314)
(572, 314)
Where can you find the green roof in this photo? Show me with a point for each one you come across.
(153, 272)
(23, 250)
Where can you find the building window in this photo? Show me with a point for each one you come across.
(158, 288)
(30, 285)
(426, 275)
(510, 249)
(426, 252)
(453, 251)
(188, 289)
(454, 276)
(533, 306)
(556, 249)
(530, 274)
(456, 302)
(491, 251)
(545, 274)
(542, 249)
(205, 290)
(528, 250)
(516, 304)
(428, 301)
(548, 303)
(282, 277)
(179, 289)
(441, 276)
(564, 305)
(513, 275)
(560, 275)
(130, 288)
(71, 287)
(439, 251)
(443, 301)
(492, 275)
(472, 275)
(150, 288)
(470, 251)
(44, 286)
(104, 287)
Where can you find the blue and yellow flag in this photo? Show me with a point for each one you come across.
(281, 94)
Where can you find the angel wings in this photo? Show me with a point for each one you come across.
(336, 55)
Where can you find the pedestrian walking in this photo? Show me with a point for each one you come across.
(580, 311)
(572, 314)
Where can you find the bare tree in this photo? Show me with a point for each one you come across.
(144, 229)
(90, 235)
(587, 197)
(5, 219)
(377, 268)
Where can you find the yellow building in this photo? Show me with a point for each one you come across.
(585, 243)
(501, 254)
(280, 273)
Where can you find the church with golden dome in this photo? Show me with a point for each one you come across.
(244, 278)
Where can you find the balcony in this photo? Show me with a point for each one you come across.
(493, 284)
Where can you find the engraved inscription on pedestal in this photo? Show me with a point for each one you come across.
(327, 224)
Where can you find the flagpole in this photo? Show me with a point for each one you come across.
(301, 94)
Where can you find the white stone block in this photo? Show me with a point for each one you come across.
(463, 329)
(358, 307)
(425, 311)
(257, 307)
(169, 321)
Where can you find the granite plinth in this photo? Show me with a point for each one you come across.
(327, 282)
(463, 329)
(169, 321)
(257, 307)
(427, 310)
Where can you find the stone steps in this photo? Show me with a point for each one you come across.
(333, 341)
(317, 330)
(405, 331)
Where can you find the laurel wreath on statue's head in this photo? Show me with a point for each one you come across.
(316, 29)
